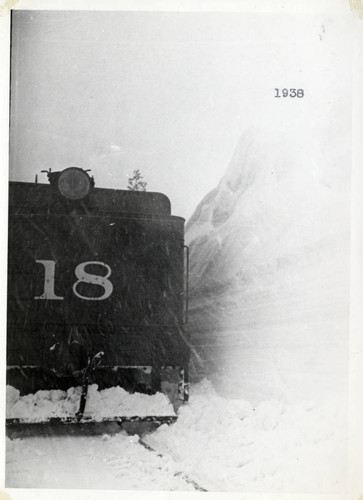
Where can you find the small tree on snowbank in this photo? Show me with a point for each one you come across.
(135, 182)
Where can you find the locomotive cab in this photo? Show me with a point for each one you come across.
(96, 289)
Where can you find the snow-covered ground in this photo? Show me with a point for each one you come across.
(103, 462)
(217, 444)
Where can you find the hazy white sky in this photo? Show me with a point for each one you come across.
(170, 93)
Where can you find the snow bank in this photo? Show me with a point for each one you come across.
(228, 445)
(111, 402)
(269, 267)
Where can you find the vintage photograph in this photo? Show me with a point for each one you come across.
(179, 250)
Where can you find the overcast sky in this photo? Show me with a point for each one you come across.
(170, 93)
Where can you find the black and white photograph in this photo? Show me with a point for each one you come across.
(180, 274)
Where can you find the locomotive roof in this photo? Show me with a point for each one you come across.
(40, 198)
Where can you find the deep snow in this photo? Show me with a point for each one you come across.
(269, 269)
(220, 444)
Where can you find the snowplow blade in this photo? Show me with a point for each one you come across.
(16, 427)
(87, 410)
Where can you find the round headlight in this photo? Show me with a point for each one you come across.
(74, 183)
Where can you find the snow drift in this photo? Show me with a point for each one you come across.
(229, 445)
(220, 444)
(269, 269)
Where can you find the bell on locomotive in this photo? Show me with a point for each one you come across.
(96, 303)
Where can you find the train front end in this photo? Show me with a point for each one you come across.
(96, 296)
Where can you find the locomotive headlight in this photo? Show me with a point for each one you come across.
(74, 183)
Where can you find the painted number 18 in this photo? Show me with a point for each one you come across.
(289, 93)
(83, 277)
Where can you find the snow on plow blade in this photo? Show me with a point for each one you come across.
(110, 410)
(87, 410)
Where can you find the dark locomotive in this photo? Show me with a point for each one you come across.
(95, 271)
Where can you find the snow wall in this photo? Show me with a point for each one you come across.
(269, 268)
